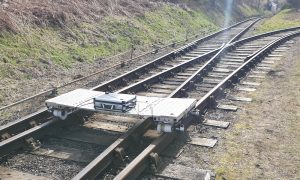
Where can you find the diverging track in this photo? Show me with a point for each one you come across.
(157, 81)
(150, 154)
(15, 134)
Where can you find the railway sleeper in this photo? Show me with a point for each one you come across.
(204, 85)
(211, 81)
(268, 62)
(169, 82)
(162, 91)
(249, 83)
(239, 54)
(257, 72)
(149, 94)
(5, 136)
(184, 74)
(164, 86)
(227, 66)
(230, 63)
(221, 70)
(203, 89)
(233, 60)
(234, 57)
(180, 80)
(181, 77)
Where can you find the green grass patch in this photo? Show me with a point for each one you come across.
(247, 10)
(285, 19)
(110, 36)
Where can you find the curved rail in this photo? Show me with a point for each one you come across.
(42, 116)
(122, 63)
(235, 76)
(144, 84)
(11, 128)
(122, 142)
(194, 78)
(139, 164)
(104, 159)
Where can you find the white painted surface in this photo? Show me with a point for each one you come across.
(162, 109)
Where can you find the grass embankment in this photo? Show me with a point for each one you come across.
(284, 19)
(88, 41)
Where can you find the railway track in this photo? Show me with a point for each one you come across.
(207, 45)
(210, 64)
(18, 131)
(167, 138)
(206, 98)
(33, 103)
(220, 109)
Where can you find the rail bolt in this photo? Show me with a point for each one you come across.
(34, 144)
(154, 159)
(120, 153)
(33, 123)
(5, 136)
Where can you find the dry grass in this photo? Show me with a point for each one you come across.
(17, 13)
(265, 143)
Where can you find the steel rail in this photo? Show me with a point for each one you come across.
(139, 164)
(21, 139)
(105, 158)
(39, 117)
(143, 66)
(136, 167)
(179, 67)
(103, 70)
(122, 62)
(37, 128)
(15, 126)
(169, 72)
(195, 77)
(236, 75)
(144, 84)
(101, 162)
(266, 34)
(88, 76)
(23, 123)
(108, 86)
(239, 35)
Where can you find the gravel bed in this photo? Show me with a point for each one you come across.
(44, 166)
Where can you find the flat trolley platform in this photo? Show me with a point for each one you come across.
(164, 110)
